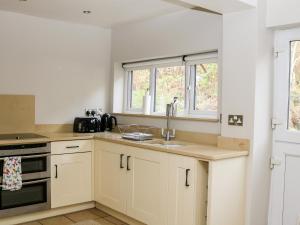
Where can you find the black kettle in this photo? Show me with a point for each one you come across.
(108, 122)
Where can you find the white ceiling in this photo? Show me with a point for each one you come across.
(105, 13)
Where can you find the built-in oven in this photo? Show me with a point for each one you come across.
(35, 195)
(35, 159)
(36, 185)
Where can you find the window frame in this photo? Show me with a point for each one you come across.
(189, 94)
(192, 89)
(128, 89)
(153, 85)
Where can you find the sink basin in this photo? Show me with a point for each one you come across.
(162, 143)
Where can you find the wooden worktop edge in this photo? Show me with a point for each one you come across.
(188, 136)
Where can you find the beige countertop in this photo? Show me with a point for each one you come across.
(68, 136)
(201, 152)
(49, 137)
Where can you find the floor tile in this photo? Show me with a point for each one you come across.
(82, 215)
(102, 221)
(30, 223)
(88, 222)
(114, 220)
(98, 212)
(61, 220)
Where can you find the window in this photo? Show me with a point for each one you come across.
(169, 83)
(204, 81)
(192, 79)
(139, 84)
(294, 101)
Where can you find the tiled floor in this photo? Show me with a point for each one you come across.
(86, 217)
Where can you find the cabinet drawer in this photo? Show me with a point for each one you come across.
(65, 147)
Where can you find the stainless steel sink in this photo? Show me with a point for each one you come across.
(162, 143)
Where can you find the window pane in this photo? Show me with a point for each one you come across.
(206, 87)
(140, 80)
(170, 83)
(294, 108)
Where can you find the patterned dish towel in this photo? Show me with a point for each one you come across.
(12, 174)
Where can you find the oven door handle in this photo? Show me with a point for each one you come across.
(31, 156)
(33, 182)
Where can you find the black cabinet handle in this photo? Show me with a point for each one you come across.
(121, 161)
(56, 173)
(128, 159)
(73, 146)
(187, 171)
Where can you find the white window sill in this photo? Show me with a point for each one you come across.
(200, 119)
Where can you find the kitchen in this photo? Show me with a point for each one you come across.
(195, 77)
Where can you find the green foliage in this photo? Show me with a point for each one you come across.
(206, 96)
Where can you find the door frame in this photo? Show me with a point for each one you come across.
(283, 140)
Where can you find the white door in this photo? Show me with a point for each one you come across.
(285, 182)
(110, 175)
(71, 179)
(148, 186)
(182, 196)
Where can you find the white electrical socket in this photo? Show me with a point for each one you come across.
(99, 111)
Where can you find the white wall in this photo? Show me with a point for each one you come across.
(239, 49)
(171, 35)
(259, 170)
(65, 65)
(247, 89)
(283, 13)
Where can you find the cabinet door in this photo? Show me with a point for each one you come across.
(182, 195)
(148, 185)
(71, 181)
(110, 175)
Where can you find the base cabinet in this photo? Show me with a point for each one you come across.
(71, 179)
(147, 175)
(152, 187)
(187, 192)
(132, 181)
(110, 174)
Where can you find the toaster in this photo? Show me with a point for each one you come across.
(86, 125)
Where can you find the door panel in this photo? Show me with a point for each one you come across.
(71, 181)
(110, 178)
(182, 196)
(287, 86)
(291, 204)
(284, 208)
(148, 182)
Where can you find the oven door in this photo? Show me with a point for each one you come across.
(34, 196)
(33, 166)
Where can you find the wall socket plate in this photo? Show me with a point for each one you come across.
(236, 120)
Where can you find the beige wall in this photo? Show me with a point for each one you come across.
(17, 113)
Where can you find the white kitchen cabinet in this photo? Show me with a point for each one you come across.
(187, 192)
(137, 185)
(71, 177)
(148, 186)
(159, 188)
(110, 175)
